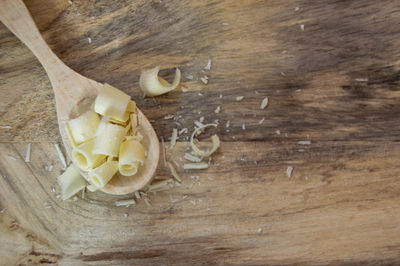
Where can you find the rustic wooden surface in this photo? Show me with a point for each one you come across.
(341, 205)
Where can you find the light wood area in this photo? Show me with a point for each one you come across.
(334, 83)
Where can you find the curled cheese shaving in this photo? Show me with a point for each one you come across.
(83, 127)
(83, 156)
(214, 139)
(112, 102)
(153, 85)
(102, 174)
(131, 156)
(188, 166)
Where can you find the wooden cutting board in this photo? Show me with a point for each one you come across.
(331, 72)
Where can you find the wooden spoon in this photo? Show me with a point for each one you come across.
(73, 92)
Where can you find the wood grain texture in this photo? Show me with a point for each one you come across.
(339, 207)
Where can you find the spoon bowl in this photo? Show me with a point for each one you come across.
(74, 93)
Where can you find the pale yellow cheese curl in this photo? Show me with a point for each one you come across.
(83, 127)
(112, 102)
(109, 140)
(101, 175)
(84, 157)
(131, 156)
(153, 85)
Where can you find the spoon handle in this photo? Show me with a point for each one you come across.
(15, 15)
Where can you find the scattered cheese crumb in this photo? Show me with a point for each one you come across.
(137, 195)
(220, 96)
(12, 157)
(89, 40)
(173, 137)
(190, 77)
(278, 132)
(289, 171)
(198, 123)
(192, 158)
(304, 142)
(204, 79)
(228, 123)
(173, 172)
(5, 127)
(264, 103)
(297, 8)
(60, 155)
(168, 117)
(217, 110)
(261, 121)
(361, 79)
(70, 2)
(126, 202)
(183, 130)
(188, 166)
(302, 27)
(208, 66)
(125, 215)
(243, 126)
(239, 98)
(259, 230)
(201, 119)
(28, 153)
(147, 201)
(283, 73)
(200, 94)
(225, 23)
(3, 210)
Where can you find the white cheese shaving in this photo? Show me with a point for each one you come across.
(208, 66)
(147, 201)
(228, 123)
(192, 158)
(89, 40)
(137, 194)
(264, 103)
(202, 165)
(198, 124)
(168, 117)
(5, 127)
(173, 172)
(183, 130)
(261, 121)
(28, 153)
(239, 98)
(361, 79)
(302, 27)
(173, 138)
(204, 80)
(304, 142)
(289, 171)
(126, 202)
(60, 155)
(243, 126)
(160, 185)
(217, 110)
